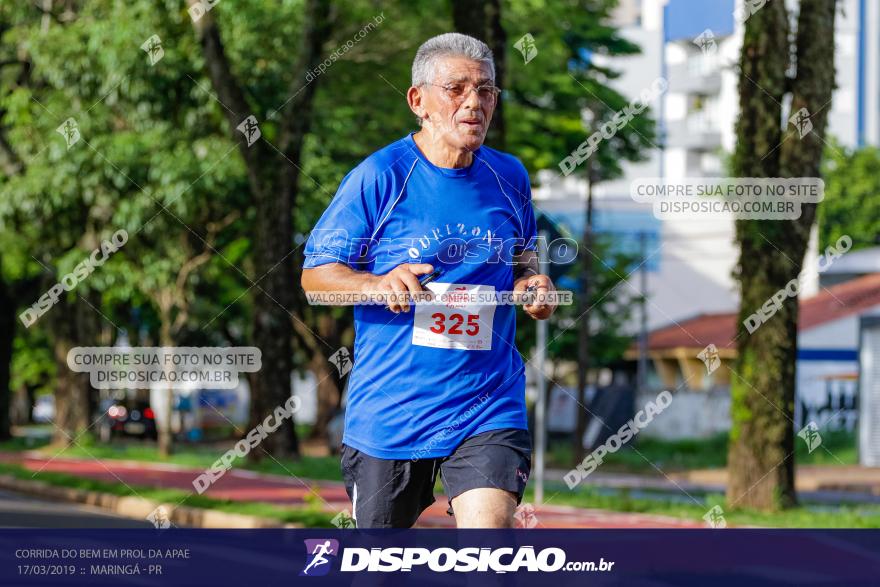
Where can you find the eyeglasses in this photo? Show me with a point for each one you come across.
(457, 92)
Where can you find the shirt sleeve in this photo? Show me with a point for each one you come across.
(348, 221)
(526, 213)
(530, 226)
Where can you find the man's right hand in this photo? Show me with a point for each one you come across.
(402, 279)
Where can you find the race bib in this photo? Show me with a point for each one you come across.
(459, 318)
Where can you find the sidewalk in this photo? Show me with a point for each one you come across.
(240, 485)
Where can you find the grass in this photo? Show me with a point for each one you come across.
(17, 443)
(680, 455)
(838, 447)
(676, 455)
(711, 453)
(842, 516)
(309, 516)
(196, 456)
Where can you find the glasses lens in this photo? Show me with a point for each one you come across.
(459, 91)
(454, 90)
(487, 92)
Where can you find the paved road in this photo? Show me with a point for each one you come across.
(23, 511)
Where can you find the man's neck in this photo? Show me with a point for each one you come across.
(441, 154)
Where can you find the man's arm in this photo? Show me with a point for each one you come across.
(525, 265)
(337, 277)
(526, 274)
(340, 277)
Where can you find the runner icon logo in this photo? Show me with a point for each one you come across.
(319, 554)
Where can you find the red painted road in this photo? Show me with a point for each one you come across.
(241, 485)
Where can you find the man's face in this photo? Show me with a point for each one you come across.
(453, 111)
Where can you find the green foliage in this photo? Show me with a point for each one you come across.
(851, 206)
(856, 516)
(153, 158)
(553, 103)
(32, 363)
(609, 313)
(156, 157)
(564, 94)
(642, 454)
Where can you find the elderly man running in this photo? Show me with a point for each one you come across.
(435, 388)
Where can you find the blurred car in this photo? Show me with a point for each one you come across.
(132, 419)
(44, 409)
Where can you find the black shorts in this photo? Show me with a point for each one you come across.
(388, 493)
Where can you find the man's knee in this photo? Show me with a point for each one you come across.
(484, 507)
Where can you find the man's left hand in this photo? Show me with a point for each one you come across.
(539, 309)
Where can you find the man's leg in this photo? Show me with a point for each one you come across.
(486, 476)
(386, 493)
(484, 507)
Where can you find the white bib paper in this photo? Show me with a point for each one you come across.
(460, 321)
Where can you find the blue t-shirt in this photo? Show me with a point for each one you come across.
(417, 390)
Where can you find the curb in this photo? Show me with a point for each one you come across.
(138, 508)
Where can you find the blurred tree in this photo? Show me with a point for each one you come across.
(363, 99)
(24, 264)
(610, 314)
(157, 155)
(483, 21)
(273, 175)
(160, 164)
(761, 457)
(851, 206)
(33, 371)
(146, 158)
(560, 93)
(363, 107)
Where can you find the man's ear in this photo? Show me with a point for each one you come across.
(414, 99)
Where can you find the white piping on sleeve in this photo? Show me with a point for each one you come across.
(403, 187)
(516, 209)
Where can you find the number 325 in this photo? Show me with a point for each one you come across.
(456, 320)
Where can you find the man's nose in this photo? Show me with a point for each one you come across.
(472, 99)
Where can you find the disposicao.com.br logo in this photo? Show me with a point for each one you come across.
(469, 559)
(319, 554)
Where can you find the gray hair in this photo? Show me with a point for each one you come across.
(448, 45)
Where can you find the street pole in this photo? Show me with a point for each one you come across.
(541, 383)
(642, 372)
(584, 312)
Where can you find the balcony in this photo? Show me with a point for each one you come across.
(698, 131)
(698, 75)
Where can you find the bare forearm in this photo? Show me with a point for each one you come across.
(336, 277)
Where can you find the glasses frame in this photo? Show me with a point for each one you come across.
(496, 91)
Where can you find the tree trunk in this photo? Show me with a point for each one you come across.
(761, 462)
(328, 394)
(273, 176)
(7, 336)
(482, 20)
(328, 379)
(164, 433)
(72, 324)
